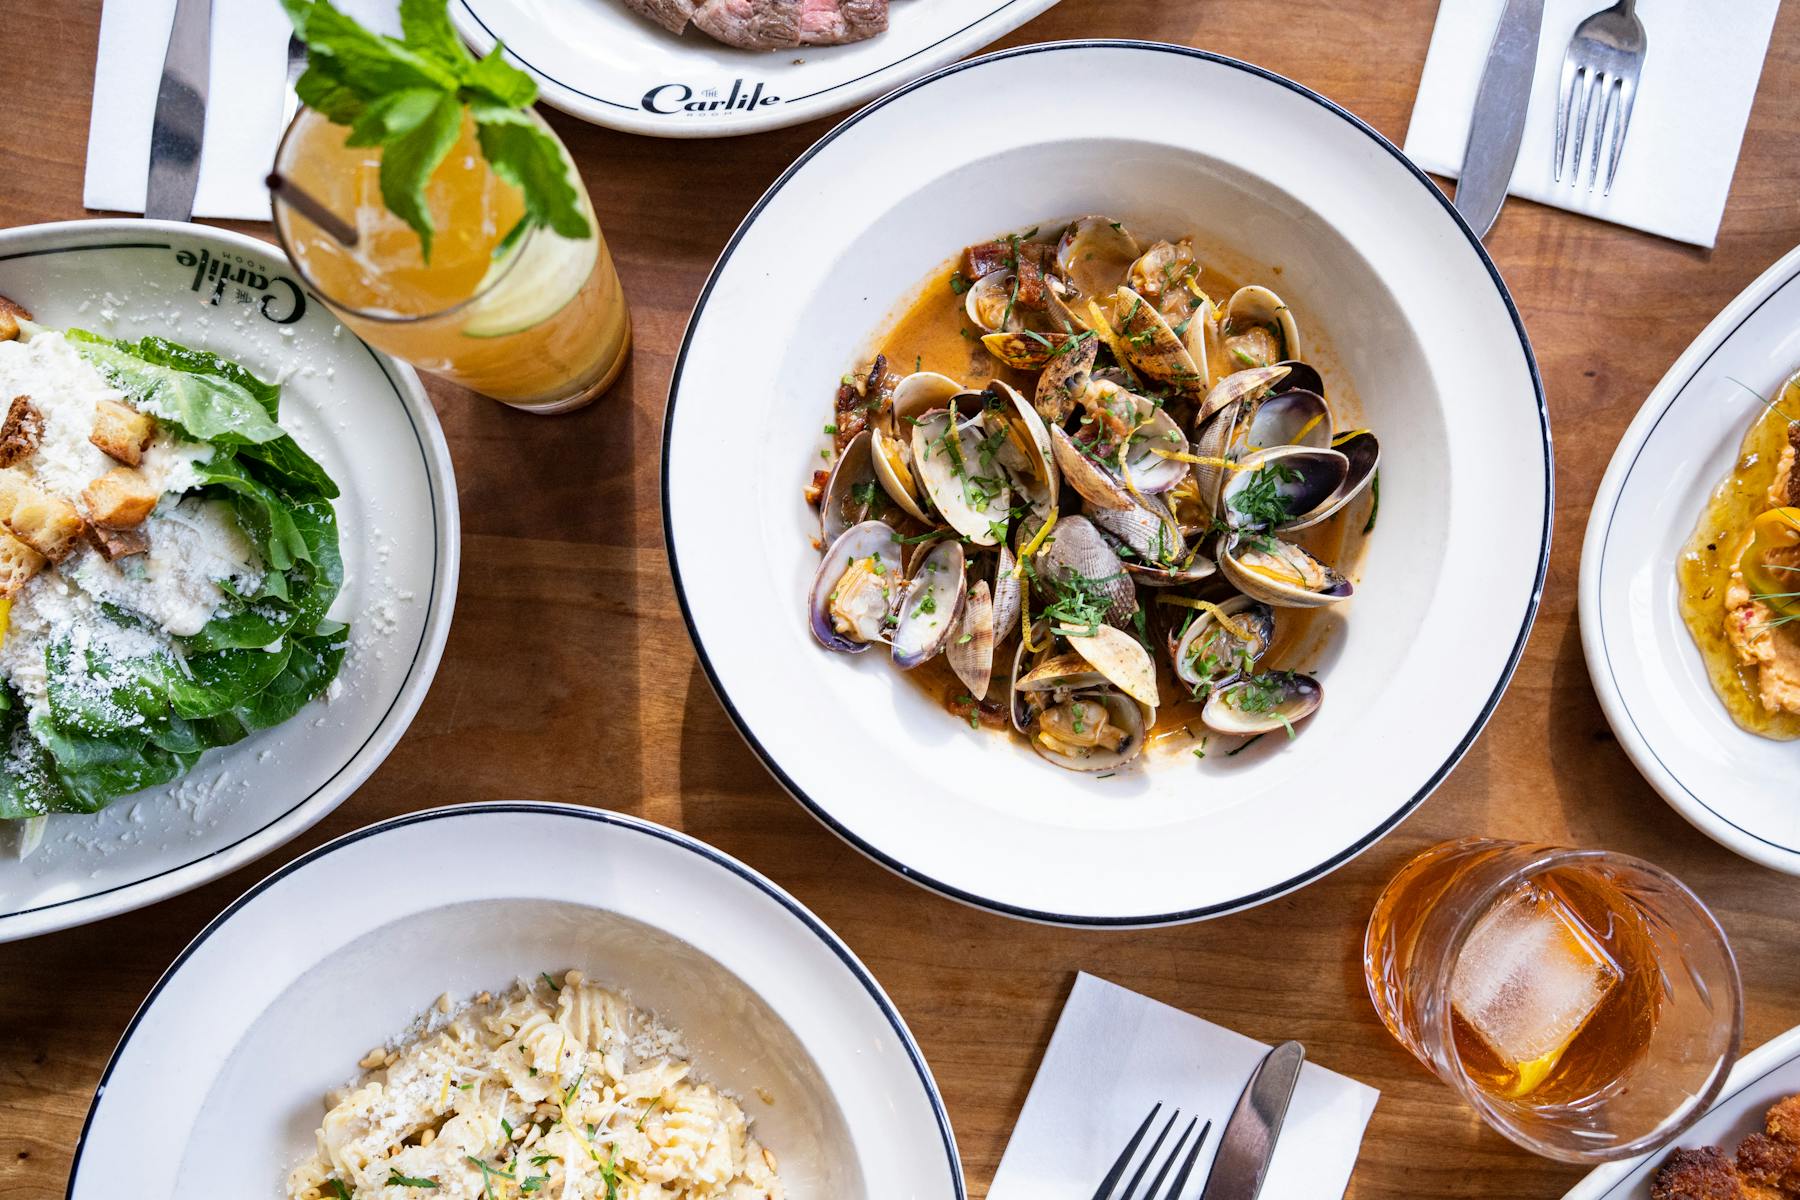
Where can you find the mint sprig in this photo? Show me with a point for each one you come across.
(407, 95)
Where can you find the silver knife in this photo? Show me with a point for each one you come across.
(180, 121)
(1248, 1142)
(1498, 125)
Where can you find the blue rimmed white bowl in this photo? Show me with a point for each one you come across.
(366, 418)
(221, 1073)
(1364, 248)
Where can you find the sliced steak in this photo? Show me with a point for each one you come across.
(835, 22)
(672, 15)
(751, 24)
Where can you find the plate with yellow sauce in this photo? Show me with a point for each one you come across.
(1690, 579)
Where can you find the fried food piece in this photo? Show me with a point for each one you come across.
(119, 499)
(48, 524)
(1703, 1174)
(1769, 1162)
(1784, 1120)
(22, 432)
(122, 432)
(18, 563)
(10, 316)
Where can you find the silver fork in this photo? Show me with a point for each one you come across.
(1111, 1181)
(1600, 69)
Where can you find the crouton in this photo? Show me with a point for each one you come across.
(10, 316)
(18, 563)
(119, 499)
(21, 433)
(48, 524)
(119, 543)
(122, 431)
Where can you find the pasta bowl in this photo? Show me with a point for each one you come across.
(222, 1072)
(1365, 251)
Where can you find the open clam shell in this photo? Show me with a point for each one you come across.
(1280, 573)
(1289, 418)
(1301, 376)
(1362, 453)
(890, 463)
(1026, 451)
(1065, 380)
(1152, 346)
(1097, 485)
(947, 461)
(1152, 457)
(1093, 256)
(1097, 730)
(855, 587)
(1210, 652)
(971, 651)
(991, 304)
(1122, 659)
(1259, 328)
(1161, 275)
(930, 609)
(847, 498)
(1293, 480)
(1275, 700)
(918, 394)
(1238, 386)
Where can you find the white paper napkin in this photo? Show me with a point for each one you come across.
(247, 89)
(1116, 1053)
(1693, 102)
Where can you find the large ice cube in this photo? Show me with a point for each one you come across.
(1529, 978)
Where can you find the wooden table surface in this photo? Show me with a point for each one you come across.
(569, 675)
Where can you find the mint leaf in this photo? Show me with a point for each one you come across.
(425, 26)
(407, 95)
(500, 81)
(392, 116)
(524, 153)
(408, 161)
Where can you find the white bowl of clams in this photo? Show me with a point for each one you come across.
(1108, 546)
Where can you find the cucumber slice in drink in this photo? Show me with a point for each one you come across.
(535, 283)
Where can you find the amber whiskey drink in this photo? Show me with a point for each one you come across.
(1585, 1003)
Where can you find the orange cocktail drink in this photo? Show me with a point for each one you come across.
(537, 321)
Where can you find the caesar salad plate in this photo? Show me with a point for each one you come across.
(366, 422)
(1731, 784)
(1765, 1075)
(602, 62)
(1425, 334)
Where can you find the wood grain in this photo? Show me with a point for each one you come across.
(569, 676)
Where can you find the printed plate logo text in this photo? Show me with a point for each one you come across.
(276, 297)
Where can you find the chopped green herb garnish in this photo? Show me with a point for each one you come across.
(396, 1179)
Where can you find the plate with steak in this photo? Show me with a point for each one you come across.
(716, 68)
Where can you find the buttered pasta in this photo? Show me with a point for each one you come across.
(560, 1091)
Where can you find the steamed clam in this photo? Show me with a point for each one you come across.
(1101, 517)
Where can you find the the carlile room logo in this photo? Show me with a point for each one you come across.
(244, 280)
(671, 99)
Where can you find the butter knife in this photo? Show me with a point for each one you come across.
(179, 125)
(1498, 125)
(1248, 1142)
